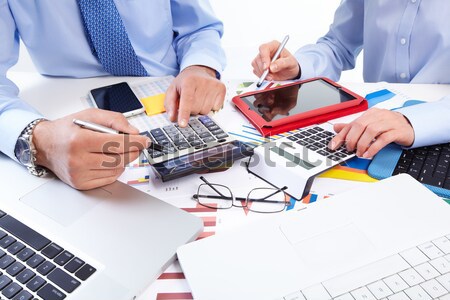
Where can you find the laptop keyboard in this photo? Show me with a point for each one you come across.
(201, 131)
(317, 139)
(419, 273)
(33, 267)
(429, 165)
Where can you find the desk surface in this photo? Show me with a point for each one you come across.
(56, 97)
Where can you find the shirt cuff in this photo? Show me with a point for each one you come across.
(306, 67)
(429, 121)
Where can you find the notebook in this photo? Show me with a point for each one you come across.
(312, 253)
(107, 243)
(430, 165)
(295, 159)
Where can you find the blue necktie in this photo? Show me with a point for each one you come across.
(108, 38)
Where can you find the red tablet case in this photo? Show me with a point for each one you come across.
(268, 130)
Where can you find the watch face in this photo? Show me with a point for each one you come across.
(23, 152)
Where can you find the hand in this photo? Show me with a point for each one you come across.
(196, 90)
(369, 133)
(83, 158)
(284, 68)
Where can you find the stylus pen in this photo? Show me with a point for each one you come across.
(274, 58)
(104, 129)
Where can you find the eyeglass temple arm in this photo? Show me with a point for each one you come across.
(217, 191)
(196, 196)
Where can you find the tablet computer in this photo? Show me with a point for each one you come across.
(299, 104)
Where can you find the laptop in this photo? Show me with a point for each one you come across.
(430, 165)
(108, 243)
(295, 159)
(385, 240)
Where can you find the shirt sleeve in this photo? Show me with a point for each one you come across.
(15, 114)
(197, 34)
(430, 122)
(338, 49)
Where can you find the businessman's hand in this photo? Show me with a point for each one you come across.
(83, 158)
(372, 131)
(284, 68)
(196, 90)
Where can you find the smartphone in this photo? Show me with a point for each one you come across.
(117, 97)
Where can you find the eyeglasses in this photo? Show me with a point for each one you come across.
(260, 200)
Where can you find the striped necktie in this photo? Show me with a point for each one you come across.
(108, 38)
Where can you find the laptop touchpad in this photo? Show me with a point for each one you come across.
(335, 249)
(62, 203)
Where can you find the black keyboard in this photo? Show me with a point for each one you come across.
(429, 165)
(33, 267)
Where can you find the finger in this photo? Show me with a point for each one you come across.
(265, 53)
(91, 141)
(102, 179)
(381, 142)
(103, 161)
(257, 66)
(280, 65)
(187, 106)
(339, 139)
(109, 119)
(171, 102)
(219, 98)
(369, 135)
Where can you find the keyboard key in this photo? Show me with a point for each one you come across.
(25, 276)
(35, 261)
(63, 280)
(2, 234)
(2, 253)
(49, 292)
(295, 296)
(25, 254)
(4, 281)
(363, 294)
(433, 288)
(15, 248)
(316, 292)
(63, 258)
(7, 241)
(430, 250)
(74, 265)
(399, 296)
(15, 269)
(395, 283)
(441, 265)
(427, 271)
(24, 233)
(23, 295)
(45, 268)
(379, 289)
(411, 277)
(344, 297)
(444, 280)
(443, 244)
(52, 250)
(414, 256)
(36, 283)
(417, 293)
(11, 290)
(6, 261)
(85, 272)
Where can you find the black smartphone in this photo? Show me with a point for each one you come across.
(117, 97)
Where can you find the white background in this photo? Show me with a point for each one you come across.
(248, 23)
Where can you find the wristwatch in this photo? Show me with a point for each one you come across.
(26, 152)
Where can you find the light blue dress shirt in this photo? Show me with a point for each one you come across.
(167, 36)
(403, 41)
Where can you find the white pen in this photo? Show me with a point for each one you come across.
(274, 58)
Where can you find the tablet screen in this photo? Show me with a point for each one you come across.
(296, 99)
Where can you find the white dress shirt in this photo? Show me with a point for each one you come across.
(404, 41)
(167, 36)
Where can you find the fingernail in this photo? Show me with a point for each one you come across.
(366, 154)
(332, 145)
(183, 122)
(148, 143)
(273, 67)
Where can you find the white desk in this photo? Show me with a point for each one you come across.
(56, 97)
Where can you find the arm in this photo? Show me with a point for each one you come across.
(197, 34)
(15, 114)
(338, 49)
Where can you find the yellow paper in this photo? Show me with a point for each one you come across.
(347, 175)
(154, 104)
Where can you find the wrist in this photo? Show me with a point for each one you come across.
(41, 142)
(210, 71)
